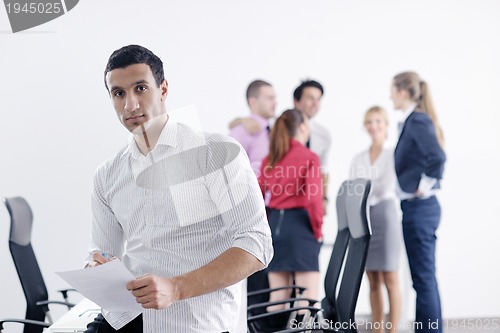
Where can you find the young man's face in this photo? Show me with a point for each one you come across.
(309, 102)
(265, 103)
(135, 95)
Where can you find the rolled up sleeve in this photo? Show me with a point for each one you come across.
(106, 231)
(235, 191)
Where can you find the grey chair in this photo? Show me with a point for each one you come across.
(27, 267)
(359, 240)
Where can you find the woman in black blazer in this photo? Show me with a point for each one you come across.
(419, 162)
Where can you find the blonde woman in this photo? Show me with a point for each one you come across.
(419, 163)
(377, 164)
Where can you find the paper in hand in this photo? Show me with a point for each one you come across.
(105, 285)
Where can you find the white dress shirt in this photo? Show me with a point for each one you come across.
(381, 173)
(320, 143)
(191, 198)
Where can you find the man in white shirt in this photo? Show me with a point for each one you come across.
(182, 209)
(307, 98)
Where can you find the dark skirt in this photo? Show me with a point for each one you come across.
(295, 248)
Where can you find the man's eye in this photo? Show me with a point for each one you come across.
(118, 93)
(141, 88)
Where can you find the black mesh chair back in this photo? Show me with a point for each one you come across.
(25, 261)
(359, 229)
(328, 304)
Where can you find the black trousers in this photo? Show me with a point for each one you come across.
(100, 325)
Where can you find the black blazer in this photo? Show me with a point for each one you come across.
(418, 152)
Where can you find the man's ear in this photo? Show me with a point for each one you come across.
(251, 101)
(164, 89)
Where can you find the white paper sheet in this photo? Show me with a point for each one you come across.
(105, 285)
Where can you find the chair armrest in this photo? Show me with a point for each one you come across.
(23, 321)
(289, 300)
(267, 291)
(64, 292)
(279, 312)
(69, 305)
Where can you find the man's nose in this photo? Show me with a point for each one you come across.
(131, 103)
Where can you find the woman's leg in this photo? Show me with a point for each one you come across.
(377, 302)
(392, 284)
(420, 222)
(310, 280)
(276, 280)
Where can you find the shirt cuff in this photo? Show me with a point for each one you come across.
(426, 184)
(260, 249)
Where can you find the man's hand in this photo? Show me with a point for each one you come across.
(250, 125)
(98, 259)
(234, 123)
(153, 292)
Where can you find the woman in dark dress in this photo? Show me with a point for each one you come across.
(291, 183)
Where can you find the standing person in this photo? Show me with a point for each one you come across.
(306, 98)
(261, 100)
(290, 180)
(377, 164)
(181, 209)
(419, 162)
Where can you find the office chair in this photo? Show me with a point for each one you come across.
(27, 267)
(332, 275)
(329, 303)
(341, 312)
(259, 320)
(30, 325)
(360, 234)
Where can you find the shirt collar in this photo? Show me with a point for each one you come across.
(168, 137)
(408, 111)
(263, 122)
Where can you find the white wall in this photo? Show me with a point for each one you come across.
(57, 124)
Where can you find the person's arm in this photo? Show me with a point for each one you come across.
(314, 191)
(106, 232)
(424, 135)
(250, 125)
(324, 168)
(324, 179)
(234, 190)
(233, 123)
(232, 266)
